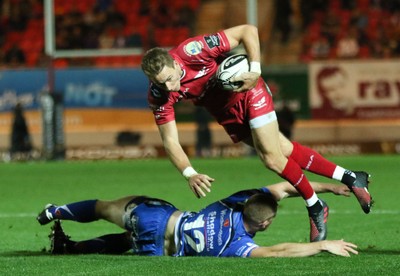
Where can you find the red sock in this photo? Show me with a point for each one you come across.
(293, 173)
(312, 161)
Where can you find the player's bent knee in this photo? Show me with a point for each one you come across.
(274, 162)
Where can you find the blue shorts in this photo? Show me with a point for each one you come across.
(147, 220)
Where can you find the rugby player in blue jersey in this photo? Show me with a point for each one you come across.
(154, 227)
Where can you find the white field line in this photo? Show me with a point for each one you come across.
(349, 212)
(280, 212)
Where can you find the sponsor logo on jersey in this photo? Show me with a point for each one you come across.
(212, 41)
(210, 230)
(251, 246)
(244, 250)
(260, 104)
(156, 108)
(240, 251)
(257, 93)
(193, 48)
(221, 228)
(202, 72)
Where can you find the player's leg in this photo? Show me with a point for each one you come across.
(81, 211)
(307, 158)
(312, 161)
(266, 141)
(264, 129)
(86, 211)
(60, 243)
(114, 210)
(106, 244)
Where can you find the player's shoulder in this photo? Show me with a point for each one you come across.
(214, 40)
(200, 46)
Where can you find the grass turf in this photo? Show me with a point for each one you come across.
(26, 187)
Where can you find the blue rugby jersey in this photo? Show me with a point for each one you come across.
(218, 229)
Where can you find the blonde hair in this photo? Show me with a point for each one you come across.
(154, 60)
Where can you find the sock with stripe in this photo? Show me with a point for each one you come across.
(82, 211)
(312, 161)
(293, 173)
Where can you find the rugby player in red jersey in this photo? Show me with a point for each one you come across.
(187, 72)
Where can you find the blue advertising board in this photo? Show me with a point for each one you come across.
(81, 88)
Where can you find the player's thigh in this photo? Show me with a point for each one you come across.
(286, 145)
(266, 138)
(267, 143)
(113, 210)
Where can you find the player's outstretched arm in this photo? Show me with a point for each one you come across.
(336, 247)
(198, 183)
(283, 190)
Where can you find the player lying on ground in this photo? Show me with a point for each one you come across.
(222, 229)
(187, 73)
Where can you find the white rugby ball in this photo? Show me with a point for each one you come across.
(232, 66)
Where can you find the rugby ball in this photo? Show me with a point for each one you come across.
(230, 67)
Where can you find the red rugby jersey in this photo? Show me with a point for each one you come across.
(199, 58)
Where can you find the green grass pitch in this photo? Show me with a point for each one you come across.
(26, 187)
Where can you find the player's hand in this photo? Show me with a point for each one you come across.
(341, 190)
(199, 184)
(249, 80)
(340, 247)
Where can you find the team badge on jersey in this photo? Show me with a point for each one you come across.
(212, 41)
(193, 48)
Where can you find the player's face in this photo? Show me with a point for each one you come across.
(254, 227)
(265, 224)
(335, 90)
(169, 78)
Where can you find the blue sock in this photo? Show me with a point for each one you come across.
(82, 211)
